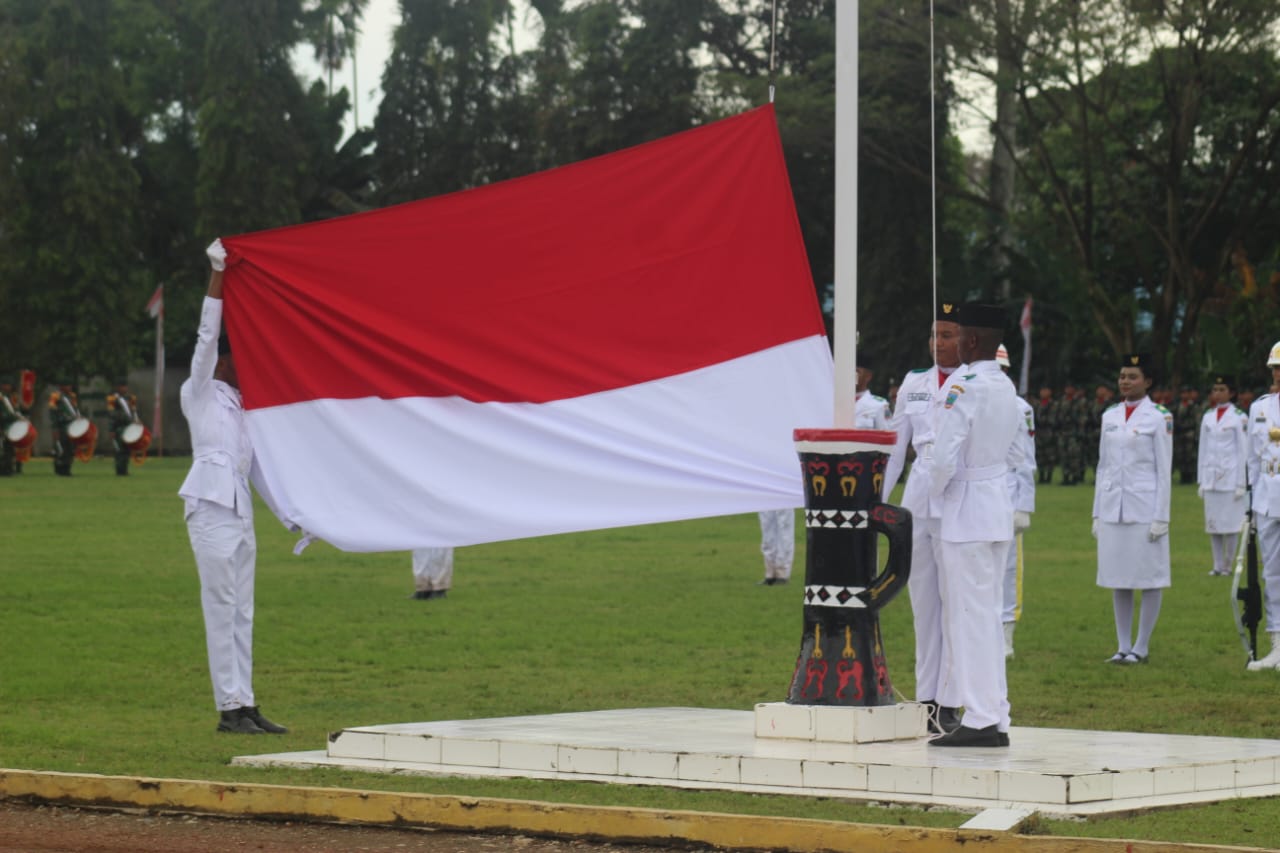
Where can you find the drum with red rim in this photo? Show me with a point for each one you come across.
(78, 429)
(20, 433)
(134, 434)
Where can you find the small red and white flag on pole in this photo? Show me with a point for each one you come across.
(626, 340)
(155, 309)
(1025, 324)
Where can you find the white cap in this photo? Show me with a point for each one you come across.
(1002, 355)
(1274, 358)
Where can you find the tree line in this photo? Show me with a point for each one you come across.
(1129, 186)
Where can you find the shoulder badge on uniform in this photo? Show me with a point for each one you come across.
(953, 395)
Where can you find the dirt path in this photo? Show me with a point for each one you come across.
(57, 829)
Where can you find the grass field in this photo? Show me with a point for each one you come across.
(102, 664)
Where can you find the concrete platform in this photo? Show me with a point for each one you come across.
(1057, 772)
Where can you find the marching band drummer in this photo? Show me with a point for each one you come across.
(122, 407)
(9, 414)
(1132, 491)
(63, 411)
(1264, 475)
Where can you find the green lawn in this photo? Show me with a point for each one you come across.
(102, 665)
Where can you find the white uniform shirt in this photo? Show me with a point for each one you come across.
(1135, 465)
(1021, 478)
(920, 397)
(975, 444)
(870, 411)
(1224, 450)
(222, 454)
(1264, 455)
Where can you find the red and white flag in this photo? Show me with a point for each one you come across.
(626, 340)
(1025, 324)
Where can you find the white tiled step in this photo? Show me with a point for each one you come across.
(1051, 770)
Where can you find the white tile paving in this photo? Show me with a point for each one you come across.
(1054, 771)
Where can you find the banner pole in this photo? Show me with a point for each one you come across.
(845, 287)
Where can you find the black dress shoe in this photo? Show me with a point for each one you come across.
(252, 714)
(942, 719)
(235, 722)
(965, 736)
(772, 582)
(422, 594)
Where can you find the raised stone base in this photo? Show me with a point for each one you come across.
(841, 724)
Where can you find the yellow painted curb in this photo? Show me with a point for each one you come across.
(483, 814)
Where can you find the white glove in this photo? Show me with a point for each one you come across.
(1158, 529)
(1200, 490)
(1021, 520)
(217, 255)
(1239, 492)
(1094, 529)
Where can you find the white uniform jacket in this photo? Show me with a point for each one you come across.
(1224, 450)
(975, 444)
(222, 462)
(1264, 455)
(870, 411)
(1021, 478)
(920, 397)
(1135, 465)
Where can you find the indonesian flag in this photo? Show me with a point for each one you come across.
(626, 340)
(1024, 323)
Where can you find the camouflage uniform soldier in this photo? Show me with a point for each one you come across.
(1102, 397)
(1046, 438)
(1186, 437)
(1073, 428)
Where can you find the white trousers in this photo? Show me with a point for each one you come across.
(926, 610)
(778, 542)
(973, 674)
(1269, 557)
(432, 569)
(1011, 601)
(225, 550)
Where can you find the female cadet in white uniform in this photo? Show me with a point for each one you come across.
(920, 396)
(1264, 474)
(1131, 507)
(1220, 470)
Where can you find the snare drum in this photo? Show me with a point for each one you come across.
(133, 434)
(20, 433)
(78, 429)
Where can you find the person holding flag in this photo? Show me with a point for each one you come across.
(218, 510)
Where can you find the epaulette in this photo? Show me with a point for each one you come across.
(968, 376)
(920, 370)
(55, 397)
(1163, 409)
(1112, 406)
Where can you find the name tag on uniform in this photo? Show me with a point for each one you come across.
(919, 397)
(1112, 427)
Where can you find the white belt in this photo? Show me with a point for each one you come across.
(985, 472)
(924, 450)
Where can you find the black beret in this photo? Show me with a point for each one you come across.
(977, 315)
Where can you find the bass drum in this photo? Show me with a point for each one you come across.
(78, 429)
(133, 434)
(20, 433)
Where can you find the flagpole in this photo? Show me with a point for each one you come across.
(845, 288)
(1025, 323)
(155, 307)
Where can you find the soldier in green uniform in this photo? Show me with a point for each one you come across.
(63, 410)
(1102, 398)
(1046, 438)
(122, 408)
(1186, 436)
(1073, 429)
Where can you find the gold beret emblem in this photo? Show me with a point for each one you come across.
(1133, 359)
(947, 308)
